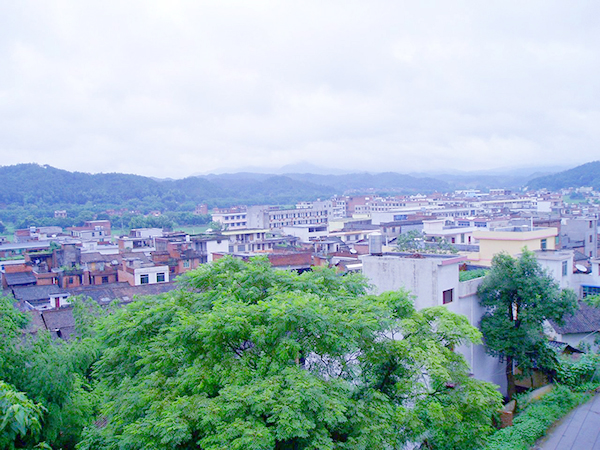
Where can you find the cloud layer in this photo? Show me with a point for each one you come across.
(168, 89)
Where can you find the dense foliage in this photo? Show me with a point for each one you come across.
(532, 423)
(466, 275)
(519, 296)
(53, 375)
(247, 357)
(582, 374)
(414, 242)
(244, 356)
(30, 193)
(20, 419)
(43, 186)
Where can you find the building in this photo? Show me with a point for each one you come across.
(137, 272)
(92, 230)
(581, 234)
(232, 218)
(511, 240)
(271, 217)
(434, 281)
(306, 233)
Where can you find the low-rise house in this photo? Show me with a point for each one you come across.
(92, 230)
(182, 252)
(137, 272)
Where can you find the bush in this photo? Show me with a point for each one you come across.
(580, 373)
(532, 423)
(466, 275)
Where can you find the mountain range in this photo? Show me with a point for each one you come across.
(33, 184)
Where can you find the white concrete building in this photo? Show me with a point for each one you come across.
(306, 233)
(434, 281)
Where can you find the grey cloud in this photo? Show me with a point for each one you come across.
(173, 88)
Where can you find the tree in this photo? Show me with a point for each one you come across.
(414, 241)
(519, 296)
(53, 374)
(20, 419)
(245, 356)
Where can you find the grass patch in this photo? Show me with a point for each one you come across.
(533, 422)
(466, 275)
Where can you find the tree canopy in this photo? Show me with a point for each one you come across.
(248, 357)
(519, 297)
(46, 380)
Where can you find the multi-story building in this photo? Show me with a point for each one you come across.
(580, 233)
(231, 218)
(270, 217)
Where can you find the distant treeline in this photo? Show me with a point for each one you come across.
(30, 193)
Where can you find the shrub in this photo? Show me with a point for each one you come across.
(580, 373)
(532, 423)
(466, 275)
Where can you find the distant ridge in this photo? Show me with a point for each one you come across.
(585, 175)
(46, 186)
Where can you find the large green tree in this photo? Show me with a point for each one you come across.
(20, 419)
(519, 296)
(249, 357)
(52, 374)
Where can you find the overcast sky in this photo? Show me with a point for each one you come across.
(169, 89)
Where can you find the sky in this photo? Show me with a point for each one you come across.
(175, 88)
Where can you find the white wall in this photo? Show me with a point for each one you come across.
(427, 278)
(221, 246)
(151, 272)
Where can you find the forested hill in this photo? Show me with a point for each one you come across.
(32, 184)
(585, 175)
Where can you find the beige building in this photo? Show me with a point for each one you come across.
(511, 240)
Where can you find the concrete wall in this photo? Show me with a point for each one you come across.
(216, 247)
(483, 366)
(584, 230)
(553, 262)
(427, 279)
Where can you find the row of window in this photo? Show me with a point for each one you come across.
(145, 278)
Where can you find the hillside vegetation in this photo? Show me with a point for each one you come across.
(585, 175)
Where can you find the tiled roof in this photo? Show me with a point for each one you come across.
(35, 293)
(19, 278)
(585, 320)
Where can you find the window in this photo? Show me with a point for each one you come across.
(591, 224)
(448, 296)
(186, 263)
(144, 279)
(160, 277)
(590, 290)
(590, 238)
(544, 244)
(104, 280)
(564, 268)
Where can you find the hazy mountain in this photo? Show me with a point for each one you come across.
(584, 175)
